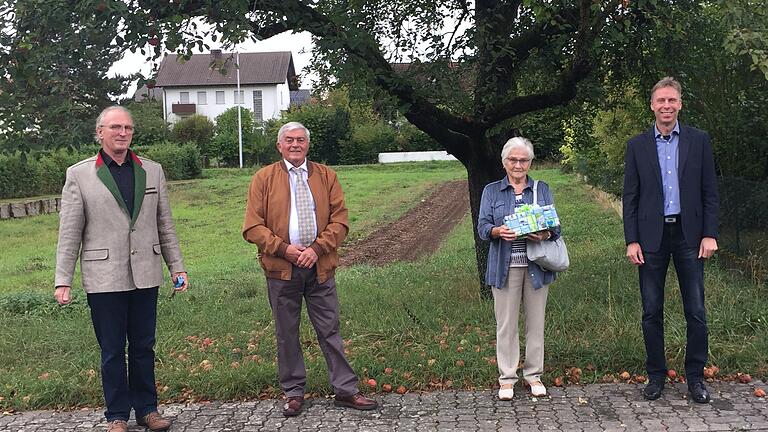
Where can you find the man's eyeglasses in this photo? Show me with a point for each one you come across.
(515, 161)
(119, 128)
(290, 140)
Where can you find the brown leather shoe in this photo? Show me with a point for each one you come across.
(358, 402)
(117, 426)
(154, 422)
(293, 406)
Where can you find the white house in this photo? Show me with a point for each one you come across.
(206, 84)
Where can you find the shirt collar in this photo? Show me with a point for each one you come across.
(505, 183)
(290, 166)
(108, 160)
(675, 130)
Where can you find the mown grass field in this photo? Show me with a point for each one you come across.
(424, 320)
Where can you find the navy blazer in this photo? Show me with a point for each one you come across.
(643, 199)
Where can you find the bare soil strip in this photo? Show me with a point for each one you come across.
(417, 233)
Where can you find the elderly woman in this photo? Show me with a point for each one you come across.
(510, 273)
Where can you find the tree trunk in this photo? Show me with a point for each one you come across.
(483, 164)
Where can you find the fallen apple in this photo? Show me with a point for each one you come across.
(759, 392)
(745, 378)
(387, 387)
(401, 390)
(372, 382)
(672, 374)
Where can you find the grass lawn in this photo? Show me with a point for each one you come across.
(424, 320)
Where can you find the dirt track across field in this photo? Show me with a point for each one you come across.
(417, 233)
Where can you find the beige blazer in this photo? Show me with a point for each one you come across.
(117, 251)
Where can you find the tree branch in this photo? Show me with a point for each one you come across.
(579, 69)
(437, 122)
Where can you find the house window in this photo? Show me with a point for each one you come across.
(184, 97)
(239, 98)
(258, 109)
(202, 98)
(220, 97)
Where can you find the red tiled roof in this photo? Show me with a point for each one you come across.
(255, 68)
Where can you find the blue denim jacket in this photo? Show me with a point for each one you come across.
(498, 200)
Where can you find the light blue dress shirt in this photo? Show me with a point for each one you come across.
(668, 152)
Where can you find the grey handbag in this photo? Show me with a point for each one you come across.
(549, 254)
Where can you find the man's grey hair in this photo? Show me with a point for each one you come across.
(515, 143)
(291, 126)
(104, 112)
(667, 82)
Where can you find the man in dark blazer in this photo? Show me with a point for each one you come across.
(671, 208)
(116, 219)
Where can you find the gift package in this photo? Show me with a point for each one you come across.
(529, 218)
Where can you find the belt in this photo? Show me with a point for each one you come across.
(672, 219)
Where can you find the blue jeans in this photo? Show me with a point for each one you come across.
(118, 316)
(690, 274)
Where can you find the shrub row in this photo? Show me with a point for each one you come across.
(44, 173)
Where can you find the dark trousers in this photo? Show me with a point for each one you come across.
(690, 274)
(285, 298)
(117, 317)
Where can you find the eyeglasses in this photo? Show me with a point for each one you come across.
(515, 161)
(119, 128)
(290, 140)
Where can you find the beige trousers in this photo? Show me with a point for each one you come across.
(506, 303)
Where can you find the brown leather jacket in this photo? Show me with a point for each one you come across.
(268, 211)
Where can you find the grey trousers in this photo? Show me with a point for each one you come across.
(506, 303)
(285, 298)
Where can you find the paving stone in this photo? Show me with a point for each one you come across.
(601, 407)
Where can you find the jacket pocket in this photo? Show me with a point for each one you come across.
(157, 249)
(498, 209)
(95, 254)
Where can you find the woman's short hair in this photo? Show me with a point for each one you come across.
(291, 126)
(515, 143)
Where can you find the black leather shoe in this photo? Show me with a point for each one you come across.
(652, 390)
(698, 392)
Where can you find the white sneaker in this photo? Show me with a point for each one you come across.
(506, 392)
(538, 389)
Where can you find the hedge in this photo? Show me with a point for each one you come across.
(44, 173)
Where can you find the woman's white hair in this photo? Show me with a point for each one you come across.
(515, 143)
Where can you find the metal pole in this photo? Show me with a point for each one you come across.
(239, 101)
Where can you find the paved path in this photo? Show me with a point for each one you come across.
(596, 407)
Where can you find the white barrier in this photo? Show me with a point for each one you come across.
(394, 157)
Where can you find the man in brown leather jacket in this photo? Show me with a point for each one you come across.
(296, 216)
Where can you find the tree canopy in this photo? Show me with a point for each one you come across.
(54, 56)
(465, 72)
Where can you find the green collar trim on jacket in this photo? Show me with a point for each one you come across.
(139, 184)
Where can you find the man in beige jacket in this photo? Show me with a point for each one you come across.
(116, 218)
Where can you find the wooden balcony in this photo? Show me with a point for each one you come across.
(183, 109)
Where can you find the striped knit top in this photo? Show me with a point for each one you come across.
(518, 257)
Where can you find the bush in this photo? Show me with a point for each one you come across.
(196, 129)
(410, 138)
(17, 177)
(224, 146)
(328, 127)
(180, 162)
(36, 173)
(366, 142)
(149, 121)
